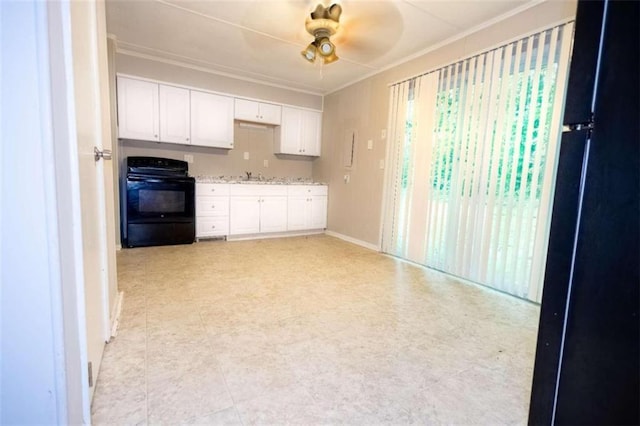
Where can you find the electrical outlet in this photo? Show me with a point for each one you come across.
(381, 164)
(246, 155)
(370, 144)
(347, 178)
(188, 158)
(383, 133)
(265, 163)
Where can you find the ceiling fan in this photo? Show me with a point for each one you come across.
(322, 23)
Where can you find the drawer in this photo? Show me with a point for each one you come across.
(302, 190)
(212, 206)
(258, 189)
(212, 226)
(218, 189)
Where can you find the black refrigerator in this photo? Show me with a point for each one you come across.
(587, 358)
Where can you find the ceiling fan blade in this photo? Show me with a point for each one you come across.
(368, 30)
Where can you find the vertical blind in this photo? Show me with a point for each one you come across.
(472, 163)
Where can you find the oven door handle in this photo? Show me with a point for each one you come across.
(159, 180)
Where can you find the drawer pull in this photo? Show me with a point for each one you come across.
(213, 206)
(213, 227)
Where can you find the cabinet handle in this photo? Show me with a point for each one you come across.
(155, 136)
(187, 139)
(213, 190)
(213, 227)
(213, 206)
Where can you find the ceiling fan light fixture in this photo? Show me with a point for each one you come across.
(310, 52)
(331, 58)
(325, 47)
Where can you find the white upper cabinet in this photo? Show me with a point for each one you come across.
(258, 112)
(311, 129)
(287, 138)
(211, 120)
(138, 111)
(175, 125)
(299, 133)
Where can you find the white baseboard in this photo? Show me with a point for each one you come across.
(273, 235)
(360, 243)
(117, 309)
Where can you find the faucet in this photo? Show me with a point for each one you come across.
(248, 175)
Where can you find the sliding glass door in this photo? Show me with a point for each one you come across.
(473, 152)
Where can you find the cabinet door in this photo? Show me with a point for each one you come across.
(211, 120)
(174, 115)
(297, 207)
(289, 132)
(246, 110)
(311, 127)
(318, 212)
(270, 114)
(138, 111)
(244, 215)
(273, 214)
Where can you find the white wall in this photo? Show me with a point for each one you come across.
(32, 373)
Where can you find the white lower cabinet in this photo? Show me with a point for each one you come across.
(245, 209)
(256, 209)
(212, 210)
(307, 207)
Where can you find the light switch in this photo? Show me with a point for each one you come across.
(383, 133)
(188, 158)
(381, 164)
(347, 178)
(246, 155)
(265, 163)
(370, 144)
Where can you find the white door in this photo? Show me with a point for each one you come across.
(290, 131)
(297, 207)
(270, 114)
(174, 114)
(93, 130)
(244, 215)
(138, 113)
(311, 123)
(318, 212)
(211, 120)
(247, 110)
(273, 214)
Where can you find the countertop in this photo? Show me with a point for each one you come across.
(256, 181)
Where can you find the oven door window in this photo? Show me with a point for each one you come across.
(161, 201)
(158, 200)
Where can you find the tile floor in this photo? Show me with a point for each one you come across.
(309, 330)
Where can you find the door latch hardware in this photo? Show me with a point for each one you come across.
(104, 154)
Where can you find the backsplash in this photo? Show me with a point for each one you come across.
(256, 141)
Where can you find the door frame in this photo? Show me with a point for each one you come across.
(66, 157)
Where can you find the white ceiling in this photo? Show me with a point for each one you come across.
(261, 40)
